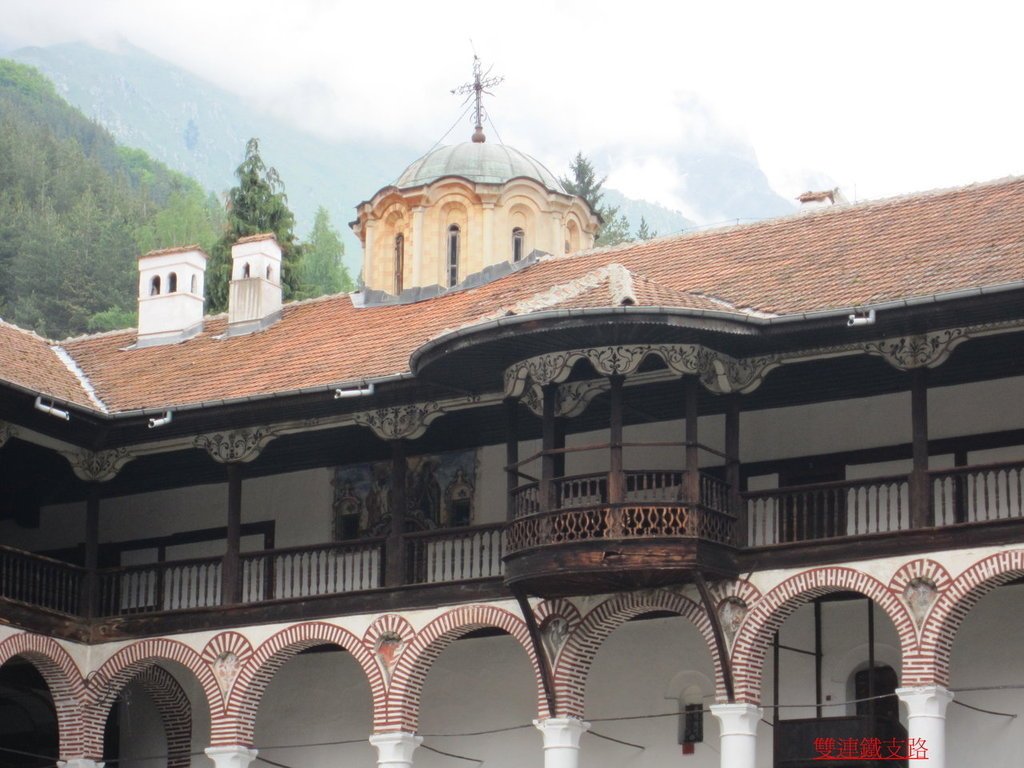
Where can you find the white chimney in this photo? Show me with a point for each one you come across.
(170, 295)
(254, 300)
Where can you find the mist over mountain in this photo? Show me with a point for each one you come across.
(200, 129)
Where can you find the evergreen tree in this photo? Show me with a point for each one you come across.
(585, 184)
(644, 232)
(257, 205)
(322, 271)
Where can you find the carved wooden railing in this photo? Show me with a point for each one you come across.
(40, 581)
(325, 569)
(170, 586)
(827, 510)
(455, 554)
(653, 507)
(978, 494)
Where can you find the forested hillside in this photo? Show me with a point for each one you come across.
(76, 210)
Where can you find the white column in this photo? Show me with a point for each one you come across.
(79, 762)
(394, 749)
(926, 722)
(738, 724)
(231, 757)
(417, 246)
(488, 248)
(562, 740)
(557, 235)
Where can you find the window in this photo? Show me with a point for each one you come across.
(518, 238)
(453, 255)
(194, 288)
(154, 286)
(270, 272)
(245, 270)
(172, 282)
(399, 262)
(884, 683)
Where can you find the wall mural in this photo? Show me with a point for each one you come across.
(439, 491)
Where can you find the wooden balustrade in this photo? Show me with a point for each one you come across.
(325, 569)
(455, 554)
(170, 586)
(978, 494)
(40, 581)
(828, 510)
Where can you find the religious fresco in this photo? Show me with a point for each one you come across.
(439, 491)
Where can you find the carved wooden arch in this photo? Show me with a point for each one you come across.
(237, 722)
(951, 608)
(402, 709)
(62, 677)
(778, 604)
(577, 656)
(105, 684)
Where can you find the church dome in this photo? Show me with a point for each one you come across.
(478, 162)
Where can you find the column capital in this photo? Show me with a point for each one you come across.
(562, 732)
(79, 762)
(737, 719)
(926, 701)
(395, 748)
(232, 756)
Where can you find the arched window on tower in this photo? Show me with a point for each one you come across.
(399, 262)
(154, 286)
(172, 282)
(245, 270)
(194, 287)
(518, 241)
(453, 255)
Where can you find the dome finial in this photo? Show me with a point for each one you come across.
(475, 90)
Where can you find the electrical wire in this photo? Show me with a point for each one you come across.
(476, 760)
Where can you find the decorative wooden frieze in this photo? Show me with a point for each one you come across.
(925, 350)
(402, 422)
(239, 446)
(571, 400)
(7, 431)
(98, 466)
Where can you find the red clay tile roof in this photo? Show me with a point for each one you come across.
(27, 361)
(835, 258)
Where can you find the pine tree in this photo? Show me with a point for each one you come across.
(257, 205)
(585, 184)
(322, 270)
(644, 232)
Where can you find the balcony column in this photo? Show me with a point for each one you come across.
(91, 560)
(738, 724)
(80, 762)
(616, 477)
(511, 456)
(926, 722)
(691, 482)
(547, 459)
(920, 485)
(394, 749)
(395, 573)
(561, 740)
(231, 757)
(231, 571)
(732, 467)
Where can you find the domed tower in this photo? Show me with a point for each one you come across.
(461, 208)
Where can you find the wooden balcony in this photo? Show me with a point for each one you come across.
(588, 544)
(584, 544)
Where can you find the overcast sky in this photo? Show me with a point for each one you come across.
(881, 98)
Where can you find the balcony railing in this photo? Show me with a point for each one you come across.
(652, 508)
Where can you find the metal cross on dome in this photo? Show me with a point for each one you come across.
(475, 90)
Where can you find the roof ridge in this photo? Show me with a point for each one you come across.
(27, 331)
(69, 362)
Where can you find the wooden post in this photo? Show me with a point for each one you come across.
(616, 478)
(547, 459)
(691, 484)
(732, 467)
(90, 587)
(511, 456)
(396, 572)
(920, 485)
(231, 572)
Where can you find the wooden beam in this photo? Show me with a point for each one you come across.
(732, 468)
(231, 572)
(692, 482)
(920, 484)
(394, 574)
(616, 478)
(719, 633)
(511, 456)
(90, 585)
(536, 640)
(547, 462)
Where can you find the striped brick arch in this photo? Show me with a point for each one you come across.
(109, 680)
(950, 610)
(63, 678)
(577, 656)
(236, 723)
(175, 710)
(401, 711)
(777, 605)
